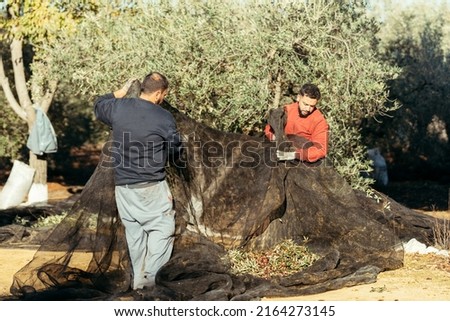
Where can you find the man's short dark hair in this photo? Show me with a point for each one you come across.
(154, 81)
(311, 91)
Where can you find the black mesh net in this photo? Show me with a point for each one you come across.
(87, 250)
(230, 192)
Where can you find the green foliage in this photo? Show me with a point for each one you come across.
(12, 131)
(38, 23)
(47, 221)
(35, 20)
(285, 258)
(24, 221)
(54, 220)
(228, 63)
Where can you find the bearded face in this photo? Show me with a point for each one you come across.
(306, 105)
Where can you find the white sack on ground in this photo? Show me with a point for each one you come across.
(17, 185)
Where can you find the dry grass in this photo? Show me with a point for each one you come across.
(441, 234)
(441, 228)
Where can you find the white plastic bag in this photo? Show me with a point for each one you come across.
(17, 185)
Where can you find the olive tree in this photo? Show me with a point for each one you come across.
(26, 27)
(230, 62)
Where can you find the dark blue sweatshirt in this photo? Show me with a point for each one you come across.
(144, 136)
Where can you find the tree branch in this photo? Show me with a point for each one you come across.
(19, 73)
(49, 94)
(21, 82)
(277, 98)
(349, 59)
(9, 94)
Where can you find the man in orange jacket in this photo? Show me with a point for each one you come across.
(306, 121)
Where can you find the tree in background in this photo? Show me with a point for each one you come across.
(27, 26)
(28, 22)
(230, 62)
(417, 39)
(11, 131)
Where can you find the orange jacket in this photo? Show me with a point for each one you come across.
(314, 128)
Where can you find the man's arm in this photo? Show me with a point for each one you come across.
(268, 130)
(120, 93)
(317, 147)
(103, 104)
(103, 108)
(175, 145)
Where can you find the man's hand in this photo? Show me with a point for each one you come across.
(123, 91)
(283, 156)
(127, 85)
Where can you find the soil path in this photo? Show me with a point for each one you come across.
(12, 260)
(423, 278)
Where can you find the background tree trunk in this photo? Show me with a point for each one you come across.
(24, 108)
(40, 164)
(39, 190)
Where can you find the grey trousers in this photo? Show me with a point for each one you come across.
(149, 219)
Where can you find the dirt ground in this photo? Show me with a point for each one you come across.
(423, 277)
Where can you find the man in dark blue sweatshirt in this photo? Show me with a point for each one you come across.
(144, 135)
